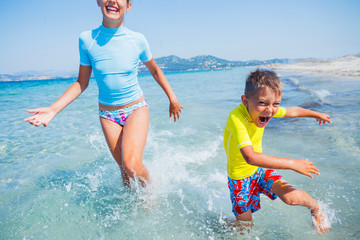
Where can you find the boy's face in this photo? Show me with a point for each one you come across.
(113, 11)
(262, 106)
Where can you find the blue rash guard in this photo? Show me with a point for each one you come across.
(114, 55)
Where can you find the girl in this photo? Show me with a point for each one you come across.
(113, 52)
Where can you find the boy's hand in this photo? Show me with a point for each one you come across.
(304, 167)
(42, 116)
(322, 118)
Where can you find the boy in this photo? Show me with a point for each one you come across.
(248, 175)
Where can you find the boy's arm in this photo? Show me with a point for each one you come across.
(175, 107)
(293, 112)
(302, 166)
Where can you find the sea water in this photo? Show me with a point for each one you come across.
(60, 182)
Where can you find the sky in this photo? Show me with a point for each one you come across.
(41, 35)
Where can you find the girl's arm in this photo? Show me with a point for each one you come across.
(175, 107)
(302, 166)
(293, 112)
(43, 116)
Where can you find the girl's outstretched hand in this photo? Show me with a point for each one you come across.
(175, 110)
(42, 116)
(322, 118)
(304, 167)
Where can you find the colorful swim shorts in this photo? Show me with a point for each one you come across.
(245, 193)
(119, 116)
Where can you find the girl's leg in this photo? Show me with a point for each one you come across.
(292, 196)
(113, 134)
(133, 142)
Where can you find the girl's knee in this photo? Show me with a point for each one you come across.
(132, 166)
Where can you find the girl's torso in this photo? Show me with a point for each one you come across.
(114, 55)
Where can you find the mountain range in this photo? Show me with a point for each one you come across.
(204, 62)
(167, 64)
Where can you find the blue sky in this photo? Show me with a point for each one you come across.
(43, 35)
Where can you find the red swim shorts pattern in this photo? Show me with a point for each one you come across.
(245, 193)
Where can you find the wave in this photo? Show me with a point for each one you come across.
(320, 95)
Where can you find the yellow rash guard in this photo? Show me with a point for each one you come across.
(240, 131)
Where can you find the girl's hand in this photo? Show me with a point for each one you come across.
(322, 118)
(42, 116)
(304, 167)
(175, 110)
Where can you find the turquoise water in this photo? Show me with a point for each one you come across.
(60, 182)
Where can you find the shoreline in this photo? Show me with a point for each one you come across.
(344, 67)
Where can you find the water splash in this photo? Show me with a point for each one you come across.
(328, 214)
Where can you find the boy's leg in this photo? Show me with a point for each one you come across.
(242, 203)
(133, 142)
(113, 135)
(246, 216)
(292, 196)
(244, 221)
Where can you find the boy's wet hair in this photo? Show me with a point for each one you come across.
(262, 78)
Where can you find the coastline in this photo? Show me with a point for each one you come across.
(347, 67)
(343, 67)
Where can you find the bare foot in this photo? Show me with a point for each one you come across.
(320, 221)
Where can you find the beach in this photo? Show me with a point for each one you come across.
(60, 182)
(342, 67)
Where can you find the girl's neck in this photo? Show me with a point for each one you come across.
(109, 24)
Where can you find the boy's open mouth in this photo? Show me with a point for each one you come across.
(112, 9)
(263, 120)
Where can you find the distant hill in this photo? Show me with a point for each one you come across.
(204, 62)
(29, 77)
(167, 64)
(35, 75)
